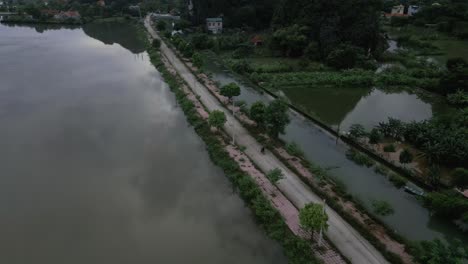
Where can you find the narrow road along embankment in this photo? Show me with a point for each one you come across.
(348, 241)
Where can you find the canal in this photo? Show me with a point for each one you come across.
(98, 164)
(410, 218)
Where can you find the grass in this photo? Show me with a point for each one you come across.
(397, 180)
(359, 158)
(294, 149)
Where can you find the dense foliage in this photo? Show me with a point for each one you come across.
(444, 140)
(436, 251)
(332, 22)
(313, 217)
(236, 13)
(449, 16)
(217, 119)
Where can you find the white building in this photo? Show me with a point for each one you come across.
(398, 10)
(214, 25)
(412, 9)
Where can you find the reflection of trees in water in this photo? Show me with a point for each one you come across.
(449, 230)
(122, 33)
(41, 28)
(330, 104)
(438, 103)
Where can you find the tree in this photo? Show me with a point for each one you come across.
(313, 218)
(434, 175)
(343, 57)
(436, 251)
(257, 113)
(276, 117)
(375, 136)
(230, 90)
(357, 131)
(290, 40)
(201, 41)
(406, 156)
(156, 43)
(275, 175)
(197, 60)
(217, 119)
(161, 25)
(460, 177)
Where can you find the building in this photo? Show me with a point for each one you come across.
(68, 15)
(412, 9)
(214, 25)
(257, 41)
(49, 12)
(398, 10)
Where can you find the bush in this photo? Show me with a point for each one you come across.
(375, 137)
(398, 21)
(357, 131)
(382, 208)
(359, 158)
(380, 169)
(389, 148)
(156, 43)
(406, 156)
(161, 25)
(397, 180)
(217, 119)
(197, 60)
(294, 149)
(343, 57)
(201, 41)
(460, 177)
(275, 175)
(241, 66)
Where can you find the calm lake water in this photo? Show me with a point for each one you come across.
(367, 106)
(98, 164)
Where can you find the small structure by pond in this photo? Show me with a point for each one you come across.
(214, 25)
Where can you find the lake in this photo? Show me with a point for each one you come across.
(99, 164)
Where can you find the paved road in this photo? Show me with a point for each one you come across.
(348, 241)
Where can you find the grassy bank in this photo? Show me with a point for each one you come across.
(297, 250)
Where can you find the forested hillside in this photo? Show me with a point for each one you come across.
(237, 13)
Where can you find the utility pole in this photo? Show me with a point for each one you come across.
(321, 227)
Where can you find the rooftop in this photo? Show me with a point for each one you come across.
(214, 19)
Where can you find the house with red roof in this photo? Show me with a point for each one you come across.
(63, 15)
(257, 40)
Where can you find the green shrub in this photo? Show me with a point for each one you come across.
(460, 177)
(359, 158)
(389, 148)
(382, 208)
(357, 131)
(275, 175)
(294, 149)
(397, 180)
(380, 169)
(156, 43)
